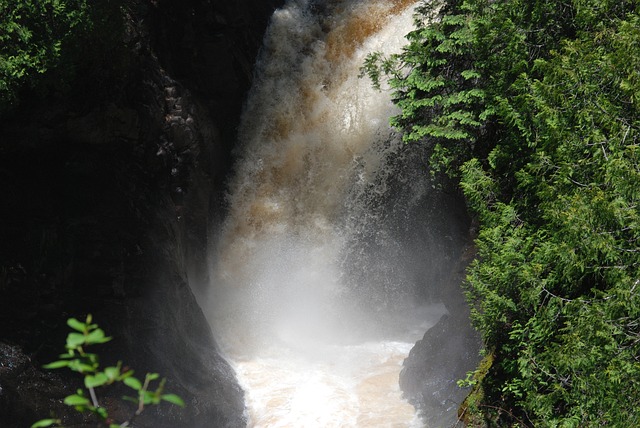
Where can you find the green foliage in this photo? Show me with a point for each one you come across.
(534, 106)
(77, 359)
(33, 36)
(46, 44)
(435, 84)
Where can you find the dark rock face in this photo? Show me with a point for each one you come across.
(429, 374)
(25, 390)
(448, 351)
(109, 194)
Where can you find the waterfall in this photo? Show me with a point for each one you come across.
(319, 279)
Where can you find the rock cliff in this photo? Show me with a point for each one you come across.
(109, 194)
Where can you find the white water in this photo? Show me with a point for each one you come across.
(310, 347)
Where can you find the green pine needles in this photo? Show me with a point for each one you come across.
(534, 107)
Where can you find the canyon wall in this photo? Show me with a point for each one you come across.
(109, 193)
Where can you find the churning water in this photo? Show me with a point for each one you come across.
(309, 298)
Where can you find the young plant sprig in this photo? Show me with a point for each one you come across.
(86, 363)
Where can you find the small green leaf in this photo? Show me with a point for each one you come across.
(94, 381)
(76, 325)
(56, 365)
(45, 423)
(97, 336)
(152, 376)
(112, 372)
(74, 340)
(470, 74)
(76, 400)
(126, 374)
(79, 366)
(150, 398)
(173, 398)
(132, 382)
(101, 412)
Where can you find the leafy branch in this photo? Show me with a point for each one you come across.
(77, 359)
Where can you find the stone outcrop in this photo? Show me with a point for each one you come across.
(446, 353)
(109, 196)
(429, 376)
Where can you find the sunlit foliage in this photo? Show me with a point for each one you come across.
(33, 37)
(46, 44)
(534, 106)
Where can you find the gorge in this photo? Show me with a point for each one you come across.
(333, 248)
(338, 249)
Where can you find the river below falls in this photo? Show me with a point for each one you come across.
(348, 386)
(332, 385)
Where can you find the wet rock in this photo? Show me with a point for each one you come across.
(429, 375)
(26, 391)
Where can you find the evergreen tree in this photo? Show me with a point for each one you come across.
(533, 105)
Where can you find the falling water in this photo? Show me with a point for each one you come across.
(309, 297)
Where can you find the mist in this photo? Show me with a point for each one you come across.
(330, 264)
